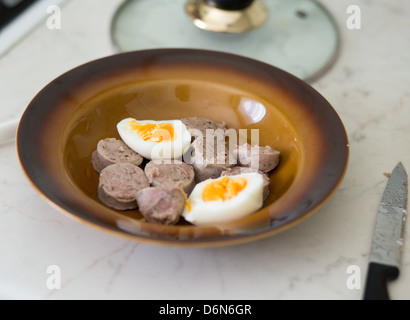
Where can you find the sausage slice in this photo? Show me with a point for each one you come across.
(264, 159)
(119, 184)
(110, 151)
(210, 157)
(171, 175)
(161, 205)
(197, 125)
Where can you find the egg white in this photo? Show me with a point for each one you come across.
(246, 202)
(156, 150)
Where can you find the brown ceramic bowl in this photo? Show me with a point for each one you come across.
(62, 125)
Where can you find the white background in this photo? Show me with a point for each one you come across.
(369, 86)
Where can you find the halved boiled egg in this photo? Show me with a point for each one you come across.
(168, 139)
(224, 199)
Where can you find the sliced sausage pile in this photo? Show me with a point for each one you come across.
(158, 189)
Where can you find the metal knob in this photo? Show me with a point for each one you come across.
(227, 16)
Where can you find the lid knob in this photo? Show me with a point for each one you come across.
(227, 16)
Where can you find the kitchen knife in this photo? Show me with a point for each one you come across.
(384, 260)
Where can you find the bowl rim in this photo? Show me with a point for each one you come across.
(196, 55)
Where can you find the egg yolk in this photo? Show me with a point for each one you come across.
(188, 205)
(162, 132)
(223, 189)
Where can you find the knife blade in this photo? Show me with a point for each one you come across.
(385, 252)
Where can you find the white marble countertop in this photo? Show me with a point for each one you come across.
(369, 86)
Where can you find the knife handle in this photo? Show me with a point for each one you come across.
(376, 284)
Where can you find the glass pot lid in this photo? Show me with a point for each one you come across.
(298, 36)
